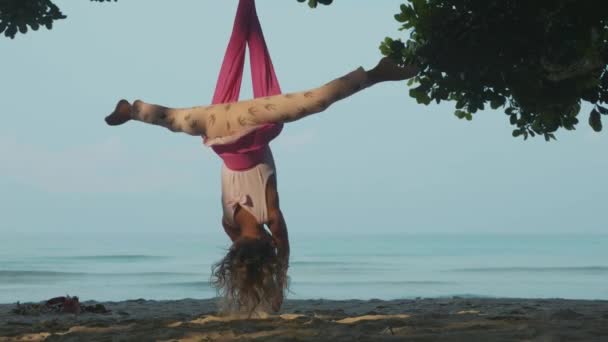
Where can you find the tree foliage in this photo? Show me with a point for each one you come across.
(17, 16)
(314, 3)
(21, 15)
(538, 60)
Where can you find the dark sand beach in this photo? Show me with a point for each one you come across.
(445, 319)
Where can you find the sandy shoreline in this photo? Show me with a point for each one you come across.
(445, 319)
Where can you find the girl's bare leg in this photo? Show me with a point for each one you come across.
(228, 119)
(295, 106)
(186, 120)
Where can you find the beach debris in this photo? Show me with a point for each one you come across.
(97, 308)
(566, 314)
(291, 317)
(351, 320)
(516, 312)
(468, 312)
(65, 304)
(508, 318)
(57, 305)
(25, 324)
(388, 331)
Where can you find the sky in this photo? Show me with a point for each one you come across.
(374, 163)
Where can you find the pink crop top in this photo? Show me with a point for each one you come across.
(247, 149)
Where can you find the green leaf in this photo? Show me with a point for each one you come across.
(22, 28)
(595, 121)
(602, 110)
(497, 102)
(418, 5)
(11, 31)
(460, 104)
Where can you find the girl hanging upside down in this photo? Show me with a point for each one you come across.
(254, 270)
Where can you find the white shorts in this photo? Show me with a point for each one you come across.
(247, 189)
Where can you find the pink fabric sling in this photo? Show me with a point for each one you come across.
(248, 150)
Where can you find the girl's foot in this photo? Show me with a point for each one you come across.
(120, 115)
(388, 70)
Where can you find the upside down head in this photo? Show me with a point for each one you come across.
(250, 277)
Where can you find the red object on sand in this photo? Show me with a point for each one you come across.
(71, 305)
(65, 304)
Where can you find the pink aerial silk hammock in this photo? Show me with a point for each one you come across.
(249, 149)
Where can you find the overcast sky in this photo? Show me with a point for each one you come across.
(376, 162)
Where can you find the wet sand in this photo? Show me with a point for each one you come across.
(445, 319)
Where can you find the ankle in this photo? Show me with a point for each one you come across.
(373, 76)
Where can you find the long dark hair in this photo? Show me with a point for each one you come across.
(250, 276)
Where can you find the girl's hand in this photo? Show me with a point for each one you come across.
(277, 302)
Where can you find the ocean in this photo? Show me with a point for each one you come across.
(121, 266)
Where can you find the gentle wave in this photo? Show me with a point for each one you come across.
(328, 263)
(596, 269)
(197, 284)
(39, 274)
(375, 282)
(188, 284)
(56, 274)
(117, 257)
